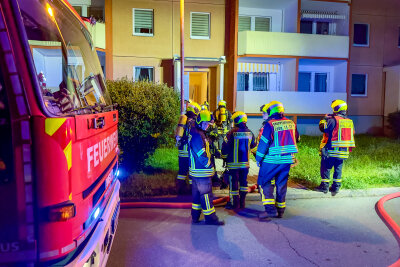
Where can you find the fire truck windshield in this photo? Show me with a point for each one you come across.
(67, 68)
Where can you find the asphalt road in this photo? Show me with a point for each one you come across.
(313, 232)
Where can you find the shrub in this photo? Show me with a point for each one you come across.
(148, 113)
(394, 122)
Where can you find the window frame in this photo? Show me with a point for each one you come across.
(312, 80)
(143, 67)
(253, 21)
(133, 23)
(209, 26)
(366, 85)
(368, 31)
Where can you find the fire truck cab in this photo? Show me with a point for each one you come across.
(59, 192)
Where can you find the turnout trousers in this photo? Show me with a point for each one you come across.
(238, 187)
(202, 199)
(183, 173)
(327, 163)
(269, 172)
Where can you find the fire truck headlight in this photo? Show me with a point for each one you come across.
(96, 213)
(62, 212)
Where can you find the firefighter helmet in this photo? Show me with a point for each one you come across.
(205, 106)
(239, 117)
(338, 105)
(272, 108)
(222, 103)
(205, 116)
(193, 107)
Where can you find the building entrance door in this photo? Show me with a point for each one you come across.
(198, 86)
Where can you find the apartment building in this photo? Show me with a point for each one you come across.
(374, 63)
(304, 53)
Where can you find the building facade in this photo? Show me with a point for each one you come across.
(304, 53)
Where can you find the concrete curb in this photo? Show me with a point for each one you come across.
(304, 193)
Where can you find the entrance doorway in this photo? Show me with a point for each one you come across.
(198, 86)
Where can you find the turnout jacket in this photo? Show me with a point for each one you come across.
(200, 165)
(278, 141)
(183, 145)
(338, 138)
(237, 146)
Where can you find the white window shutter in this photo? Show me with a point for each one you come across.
(244, 23)
(262, 24)
(143, 21)
(200, 25)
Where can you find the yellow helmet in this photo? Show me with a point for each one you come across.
(193, 107)
(338, 105)
(204, 115)
(239, 117)
(222, 103)
(272, 108)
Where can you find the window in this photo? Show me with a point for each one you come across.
(320, 83)
(143, 22)
(306, 26)
(78, 9)
(262, 24)
(304, 82)
(359, 84)
(244, 23)
(199, 25)
(361, 35)
(66, 63)
(260, 81)
(242, 81)
(313, 82)
(143, 74)
(252, 23)
(96, 12)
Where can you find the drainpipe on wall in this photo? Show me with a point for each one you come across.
(222, 62)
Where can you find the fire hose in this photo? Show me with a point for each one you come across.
(167, 205)
(390, 223)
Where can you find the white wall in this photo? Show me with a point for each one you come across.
(275, 14)
(288, 75)
(290, 18)
(340, 78)
(294, 102)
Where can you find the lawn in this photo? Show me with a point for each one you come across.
(375, 162)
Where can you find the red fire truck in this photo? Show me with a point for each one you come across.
(59, 192)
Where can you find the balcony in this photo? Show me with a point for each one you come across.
(292, 44)
(294, 102)
(98, 32)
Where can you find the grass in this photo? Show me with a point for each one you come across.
(375, 162)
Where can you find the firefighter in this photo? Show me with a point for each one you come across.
(205, 106)
(275, 154)
(337, 142)
(201, 170)
(192, 111)
(236, 152)
(223, 121)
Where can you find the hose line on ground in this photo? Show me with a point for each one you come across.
(390, 223)
(166, 205)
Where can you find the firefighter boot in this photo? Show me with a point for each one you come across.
(323, 187)
(263, 216)
(243, 200)
(234, 204)
(280, 212)
(334, 189)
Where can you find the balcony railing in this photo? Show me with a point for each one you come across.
(98, 32)
(292, 44)
(294, 102)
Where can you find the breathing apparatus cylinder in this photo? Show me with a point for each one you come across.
(180, 128)
(222, 114)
